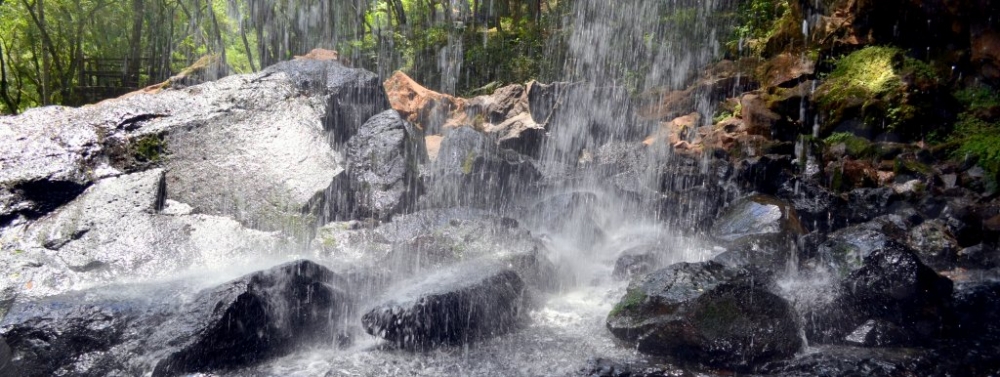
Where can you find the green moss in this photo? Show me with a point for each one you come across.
(149, 148)
(903, 165)
(871, 80)
(468, 163)
(634, 297)
(856, 146)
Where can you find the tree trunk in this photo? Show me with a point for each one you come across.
(4, 84)
(133, 62)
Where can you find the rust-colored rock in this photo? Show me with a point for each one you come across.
(319, 54)
(756, 115)
(427, 109)
(786, 69)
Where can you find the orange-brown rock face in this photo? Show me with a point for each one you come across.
(423, 107)
(320, 54)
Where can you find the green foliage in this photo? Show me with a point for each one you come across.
(756, 21)
(978, 97)
(979, 140)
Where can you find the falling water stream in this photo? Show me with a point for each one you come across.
(608, 41)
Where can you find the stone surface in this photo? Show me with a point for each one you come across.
(163, 330)
(455, 306)
(120, 226)
(893, 294)
(756, 217)
(708, 314)
(381, 178)
(471, 171)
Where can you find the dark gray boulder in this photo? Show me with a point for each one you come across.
(455, 306)
(470, 170)
(382, 178)
(892, 300)
(707, 314)
(252, 318)
(160, 329)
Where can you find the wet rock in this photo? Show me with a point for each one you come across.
(252, 318)
(706, 313)
(867, 203)
(505, 103)
(47, 336)
(518, 133)
(634, 263)
(428, 110)
(977, 309)
(845, 250)
(763, 174)
(907, 301)
(573, 217)
(979, 256)
(45, 162)
(581, 116)
(382, 178)
(152, 237)
(471, 171)
(125, 330)
(934, 244)
(438, 238)
(455, 306)
(756, 216)
(759, 119)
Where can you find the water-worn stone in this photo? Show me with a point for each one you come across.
(706, 313)
(252, 318)
(158, 329)
(381, 178)
(471, 171)
(904, 298)
(455, 306)
(757, 216)
(256, 147)
(119, 225)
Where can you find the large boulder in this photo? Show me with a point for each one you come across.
(455, 306)
(120, 226)
(382, 178)
(254, 147)
(160, 329)
(471, 170)
(893, 299)
(708, 314)
(251, 318)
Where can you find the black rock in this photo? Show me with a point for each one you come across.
(707, 314)
(906, 302)
(455, 306)
(47, 336)
(251, 318)
(756, 216)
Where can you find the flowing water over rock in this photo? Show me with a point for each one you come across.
(290, 223)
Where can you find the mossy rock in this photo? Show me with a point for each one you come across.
(881, 87)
